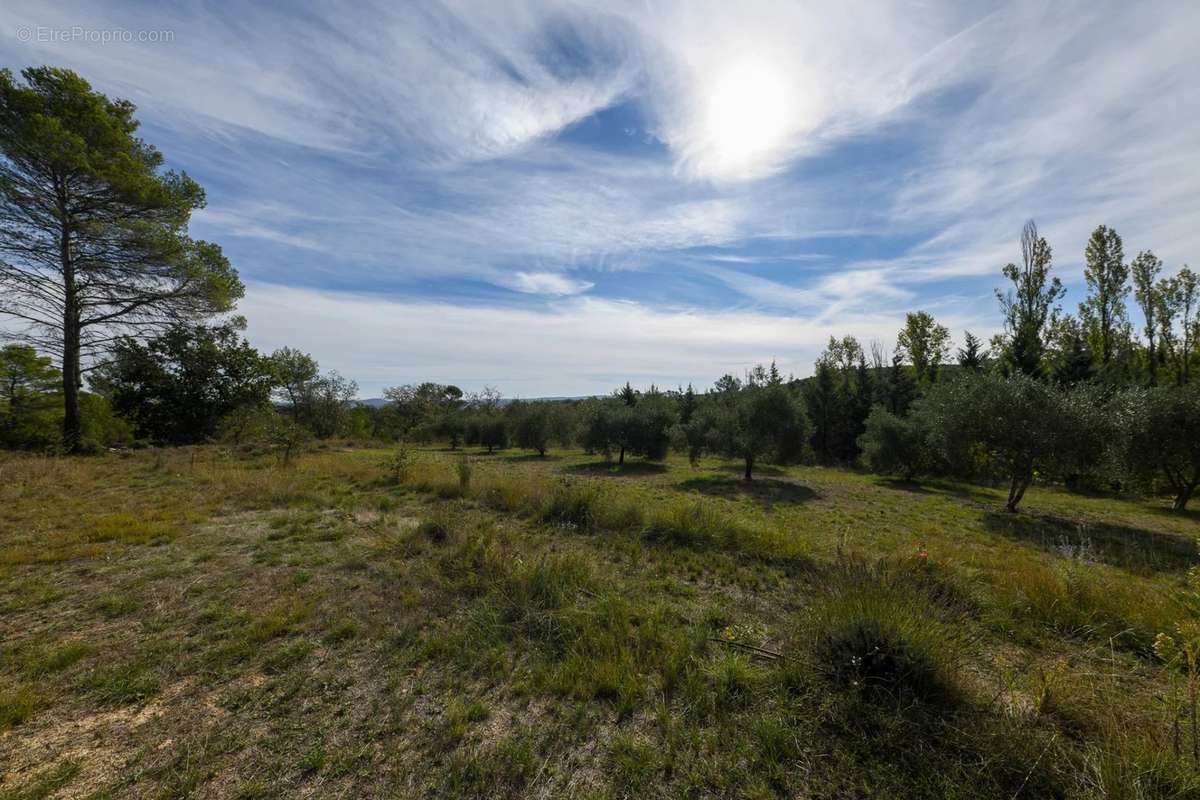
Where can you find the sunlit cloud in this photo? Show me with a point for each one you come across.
(837, 163)
(547, 283)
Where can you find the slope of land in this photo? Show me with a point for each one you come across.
(193, 623)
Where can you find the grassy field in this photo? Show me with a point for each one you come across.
(189, 623)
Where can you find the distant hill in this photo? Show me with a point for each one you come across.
(379, 402)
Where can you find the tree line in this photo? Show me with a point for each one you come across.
(103, 282)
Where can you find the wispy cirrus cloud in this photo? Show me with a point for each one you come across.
(825, 162)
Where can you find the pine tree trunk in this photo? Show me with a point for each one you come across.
(72, 425)
(749, 468)
(621, 460)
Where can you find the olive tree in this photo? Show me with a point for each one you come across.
(755, 422)
(1159, 438)
(1021, 426)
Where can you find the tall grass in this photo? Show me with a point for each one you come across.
(874, 629)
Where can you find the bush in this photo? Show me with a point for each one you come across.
(876, 632)
(572, 505)
(685, 523)
(1159, 440)
(893, 445)
(436, 530)
(399, 463)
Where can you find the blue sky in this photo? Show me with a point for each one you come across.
(552, 198)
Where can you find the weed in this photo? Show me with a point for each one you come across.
(288, 656)
(56, 659)
(341, 632)
(17, 704)
(634, 763)
(115, 605)
(122, 684)
(873, 632)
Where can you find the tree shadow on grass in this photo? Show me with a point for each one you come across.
(522, 457)
(629, 469)
(767, 491)
(899, 484)
(1133, 549)
(738, 469)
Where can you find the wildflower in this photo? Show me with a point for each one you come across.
(922, 552)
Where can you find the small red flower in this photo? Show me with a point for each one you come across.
(922, 553)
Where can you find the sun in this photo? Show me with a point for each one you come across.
(749, 118)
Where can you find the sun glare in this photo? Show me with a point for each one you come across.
(749, 117)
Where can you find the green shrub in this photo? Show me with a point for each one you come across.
(572, 505)
(400, 463)
(435, 529)
(893, 445)
(874, 630)
(686, 523)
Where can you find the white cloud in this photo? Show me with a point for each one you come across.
(418, 140)
(740, 89)
(577, 346)
(546, 283)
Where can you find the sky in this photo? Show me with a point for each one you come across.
(552, 198)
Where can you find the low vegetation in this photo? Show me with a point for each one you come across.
(566, 625)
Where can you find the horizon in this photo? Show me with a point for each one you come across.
(553, 200)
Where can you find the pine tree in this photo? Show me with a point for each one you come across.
(971, 354)
(901, 387)
(687, 405)
(93, 231)
(820, 399)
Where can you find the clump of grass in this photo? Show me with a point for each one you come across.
(133, 529)
(1135, 771)
(873, 631)
(313, 761)
(547, 583)
(1089, 603)
(460, 716)
(685, 523)
(342, 632)
(506, 493)
(46, 783)
(56, 659)
(288, 656)
(17, 704)
(463, 469)
(572, 505)
(475, 562)
(502, 770)
(436, 528)
(634, 763)
(731, 679)
(122, 684)
(278, 621)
